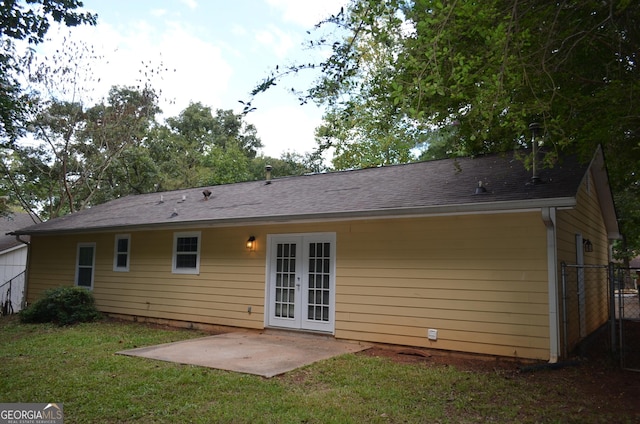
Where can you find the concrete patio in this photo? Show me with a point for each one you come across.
(264, 354)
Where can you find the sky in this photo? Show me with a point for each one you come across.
(214, 52)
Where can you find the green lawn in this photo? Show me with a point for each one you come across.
(77, 366)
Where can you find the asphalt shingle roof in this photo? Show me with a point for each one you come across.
(442, 185)
(12, 222)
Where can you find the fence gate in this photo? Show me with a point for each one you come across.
(627, 315)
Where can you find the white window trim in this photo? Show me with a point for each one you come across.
(195, 270)
(116, 253)
(93, 264)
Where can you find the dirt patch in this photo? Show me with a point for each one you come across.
(631, 334)
(600, 381)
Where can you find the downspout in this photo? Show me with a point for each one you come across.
(549, 219)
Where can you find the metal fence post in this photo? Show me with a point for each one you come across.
(612, 308)
(565, 329)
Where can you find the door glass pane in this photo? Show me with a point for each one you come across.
(319, 276)
(285, 280)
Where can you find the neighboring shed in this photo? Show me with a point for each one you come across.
(13, 261)
(458, 254)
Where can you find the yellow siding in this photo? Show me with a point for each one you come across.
(481, 281)
(231, 278)
(586, 219)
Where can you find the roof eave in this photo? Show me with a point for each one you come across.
(605, 195)
(456, 209)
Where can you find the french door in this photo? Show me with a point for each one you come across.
(301, 281)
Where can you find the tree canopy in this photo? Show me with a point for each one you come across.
(427, 78)
(66, 147)
(199, 148)
(30, 22)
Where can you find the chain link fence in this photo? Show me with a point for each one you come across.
(601, 302)
(627, 315)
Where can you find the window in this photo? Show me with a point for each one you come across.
(186, 253)
(121, 252)
(85, 265)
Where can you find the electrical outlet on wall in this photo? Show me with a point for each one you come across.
(432, 334)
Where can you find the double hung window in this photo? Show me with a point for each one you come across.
(121, 252)
(85, 264)
(186, 253)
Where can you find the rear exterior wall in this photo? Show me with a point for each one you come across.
(480, 280)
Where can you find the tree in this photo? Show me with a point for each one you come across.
(289, 163)
(72, 167)
(474, 75)
(29, 22)
(197, 148)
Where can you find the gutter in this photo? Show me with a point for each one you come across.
(17, 236)
(549, 219)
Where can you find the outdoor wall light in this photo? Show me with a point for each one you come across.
(251, 243)
(587, 245)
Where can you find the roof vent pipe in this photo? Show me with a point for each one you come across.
(535, 132)
(480, 189)
(268, 169)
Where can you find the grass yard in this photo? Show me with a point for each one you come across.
(77, 366)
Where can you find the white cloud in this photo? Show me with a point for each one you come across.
(306, 13)
(158, 12)
(238, 30)
(276, 39)
(285, 128)
(191, 4)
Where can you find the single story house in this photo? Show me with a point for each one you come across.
(458, 254)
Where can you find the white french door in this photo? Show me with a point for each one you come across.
(301, 281)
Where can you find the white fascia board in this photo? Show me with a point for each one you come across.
(11, 249)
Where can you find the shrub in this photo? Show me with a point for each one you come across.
(63, 306)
